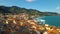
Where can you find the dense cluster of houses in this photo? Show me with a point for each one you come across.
(23, 24)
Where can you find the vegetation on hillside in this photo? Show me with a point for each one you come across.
(17, 10)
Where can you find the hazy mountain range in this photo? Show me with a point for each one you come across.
(17, 10)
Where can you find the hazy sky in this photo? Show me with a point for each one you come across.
(41, 5)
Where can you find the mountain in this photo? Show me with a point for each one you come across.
(17, 10)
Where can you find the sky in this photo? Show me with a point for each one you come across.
(41, 5)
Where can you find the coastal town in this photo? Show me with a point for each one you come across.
(24, 24)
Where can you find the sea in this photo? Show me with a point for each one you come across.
(51, 20)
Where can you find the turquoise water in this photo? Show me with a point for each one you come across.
(51, 20)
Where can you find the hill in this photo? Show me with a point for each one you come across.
(17, 10)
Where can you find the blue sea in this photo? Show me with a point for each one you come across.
(51, 20)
